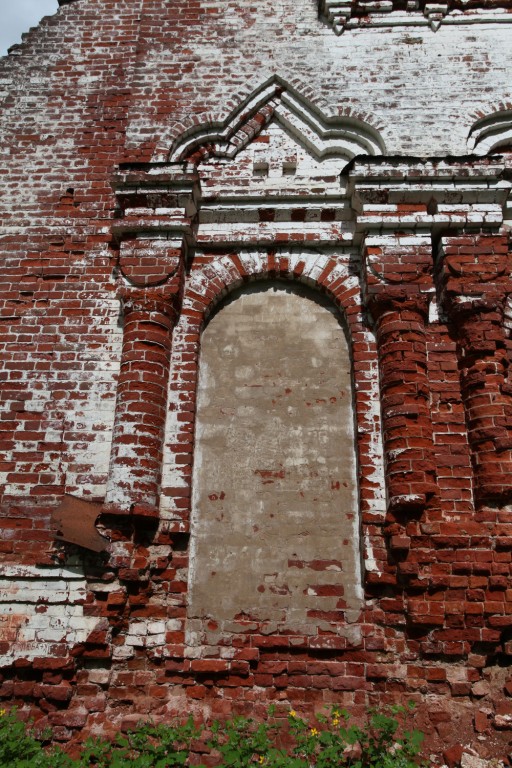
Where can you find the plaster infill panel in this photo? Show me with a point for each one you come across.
(275, 536)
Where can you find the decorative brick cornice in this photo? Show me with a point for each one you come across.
(235, 211)
(347, 14)
(155, 200)
(431, 195)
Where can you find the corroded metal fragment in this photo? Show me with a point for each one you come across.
(75, 520)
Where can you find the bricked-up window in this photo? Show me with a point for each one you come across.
(275, 534)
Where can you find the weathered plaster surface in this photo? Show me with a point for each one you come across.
(275, 529)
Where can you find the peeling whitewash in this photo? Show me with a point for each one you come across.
(40, 609)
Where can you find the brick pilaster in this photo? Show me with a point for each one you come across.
(397, 277)
(137, 444)
(153, 234)
(414, 200)
(475, 276)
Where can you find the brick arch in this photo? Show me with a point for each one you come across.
(209, 286)
(275, 453)
(492, 131)
(206, 290)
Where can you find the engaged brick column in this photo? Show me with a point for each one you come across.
(152, 279)
(397, 276)
(475, 273)
(157, 215)
(136, 456)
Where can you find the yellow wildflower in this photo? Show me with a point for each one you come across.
(314, 732)
(336, 721)
(292, 713)
(2, 712)
(261, 759)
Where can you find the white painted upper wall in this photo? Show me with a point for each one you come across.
(422, 89)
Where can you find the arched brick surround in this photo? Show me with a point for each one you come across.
(275, 524)
(209, 285)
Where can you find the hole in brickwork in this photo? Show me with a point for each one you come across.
(289, 169)
(180, 542)
(432, 207)
(275, 544)
(260, 169)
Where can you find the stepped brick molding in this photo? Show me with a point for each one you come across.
(348, 15)
(256, 415)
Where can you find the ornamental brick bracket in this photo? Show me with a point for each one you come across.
(153, 233)
(402, 205)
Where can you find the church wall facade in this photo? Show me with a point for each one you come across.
(334, 184)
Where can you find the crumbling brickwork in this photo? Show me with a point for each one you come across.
(163, 164)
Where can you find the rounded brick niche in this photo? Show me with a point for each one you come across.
(275, 531)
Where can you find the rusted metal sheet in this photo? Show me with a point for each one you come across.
(75, 520)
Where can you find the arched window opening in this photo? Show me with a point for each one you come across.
(275, 530)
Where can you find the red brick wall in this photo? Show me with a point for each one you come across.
(155, 158)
